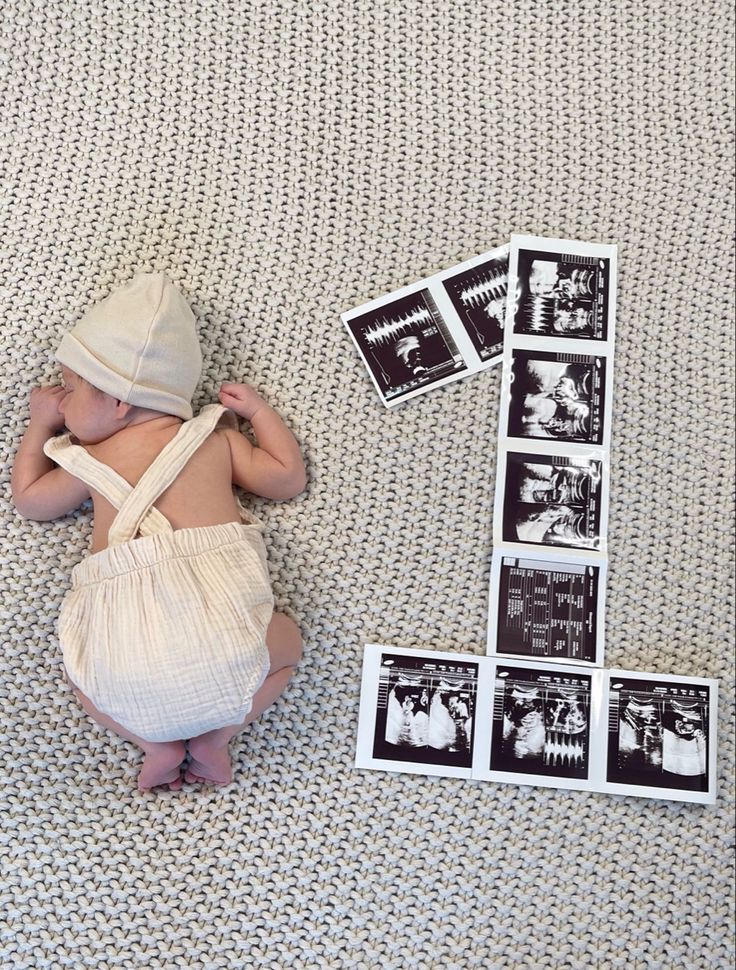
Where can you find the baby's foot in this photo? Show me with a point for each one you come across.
(161, 766)
(210, 761)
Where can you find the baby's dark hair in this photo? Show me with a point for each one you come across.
(83, 380)
(98, 392)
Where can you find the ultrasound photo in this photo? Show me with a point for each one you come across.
(425, 710)
(547, 609)
(479, 297)
(406, 344)
(541, 722)
(557, 396)
(658, 734)
(552, 501)
(562, 295)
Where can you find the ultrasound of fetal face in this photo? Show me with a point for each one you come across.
(556, 396)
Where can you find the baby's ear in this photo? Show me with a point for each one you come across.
(122, 408)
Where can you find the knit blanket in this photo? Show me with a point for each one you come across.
(285, 162)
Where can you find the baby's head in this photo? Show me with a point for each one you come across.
(138, 347)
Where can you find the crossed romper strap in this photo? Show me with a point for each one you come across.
(136, 514)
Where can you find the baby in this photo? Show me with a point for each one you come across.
(168, 632)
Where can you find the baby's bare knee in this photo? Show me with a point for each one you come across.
(285, 639)
(294, 639)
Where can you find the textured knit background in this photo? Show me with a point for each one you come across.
(285, 162)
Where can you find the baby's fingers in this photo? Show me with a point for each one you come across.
(240, 398)
(41, 394)
(238, 391)
(45, 389)
(230, 400)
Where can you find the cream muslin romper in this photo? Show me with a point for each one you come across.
(166, 633)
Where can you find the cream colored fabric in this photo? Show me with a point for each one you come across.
(166, 633)
(140, 345)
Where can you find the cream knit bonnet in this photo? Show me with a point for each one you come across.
(139, 345)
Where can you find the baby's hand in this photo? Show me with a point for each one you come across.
(45, 407)
(242, 399)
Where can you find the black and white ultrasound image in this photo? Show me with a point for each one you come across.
(552, 501)
(547, 610)
(562, 295)
(406, 344)
(559, 397)
(425, 711)
(541, 723)
(479, 297)
(658, 734)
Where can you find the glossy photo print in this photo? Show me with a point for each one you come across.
(541, 721)
(658, 734)
(557, 397)
(552, 501)
(546, 609)
(418, 711)
(478, 295)
(562, 295)
(406, 344)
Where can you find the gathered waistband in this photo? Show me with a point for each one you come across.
(149, 550)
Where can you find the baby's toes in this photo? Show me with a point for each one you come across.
(191, 778)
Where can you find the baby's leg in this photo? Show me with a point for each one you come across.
(210, 755)
(162, 758)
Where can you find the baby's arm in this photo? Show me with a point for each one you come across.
(273, 469)
(40, 489)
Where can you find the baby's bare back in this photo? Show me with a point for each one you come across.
(201, 495)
